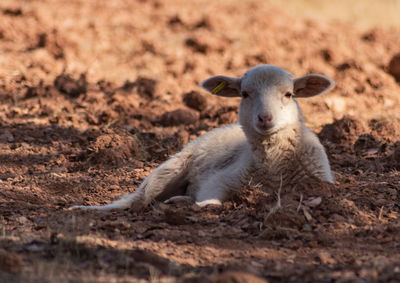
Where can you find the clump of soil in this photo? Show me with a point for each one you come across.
(14, 12)
(178, 117)
(367, 143)
(197, 46)
(386, 129)
(343, 130)
(195, 100)
(393, 160)
(70, 86)
(145, 87)
(115, 148)
(51, 41)
(394, 67)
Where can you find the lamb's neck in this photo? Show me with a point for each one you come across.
(276, 147)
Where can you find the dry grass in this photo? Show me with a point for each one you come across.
(364, 13)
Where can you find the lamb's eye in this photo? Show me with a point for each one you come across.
(245, 94)
(288, 94)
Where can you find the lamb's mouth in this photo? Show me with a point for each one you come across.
(266, 131)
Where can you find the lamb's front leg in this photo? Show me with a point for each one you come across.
(317, 164)
(223, 178)
(218, 187)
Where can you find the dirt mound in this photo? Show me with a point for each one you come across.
(278, 210)
(115, 148)
(345, 130)
(367, 143)
(386, 129)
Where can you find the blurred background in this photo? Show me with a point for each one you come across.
(177, 44)
(364, 14)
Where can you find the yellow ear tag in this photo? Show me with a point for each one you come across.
(218, 88)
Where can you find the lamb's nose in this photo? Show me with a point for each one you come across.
(265, 118)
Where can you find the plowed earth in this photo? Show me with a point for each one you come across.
(96, 94)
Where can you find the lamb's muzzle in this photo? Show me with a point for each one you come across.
(270, 145)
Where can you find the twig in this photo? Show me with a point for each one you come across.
(301, 200)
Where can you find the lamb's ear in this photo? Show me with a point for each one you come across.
(222, 86)
(311, 85)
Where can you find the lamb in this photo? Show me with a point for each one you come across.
(270, 145)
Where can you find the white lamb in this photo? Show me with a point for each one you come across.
(270, 145)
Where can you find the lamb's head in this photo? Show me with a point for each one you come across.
(268, 96)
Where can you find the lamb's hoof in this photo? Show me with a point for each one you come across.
(209, 202)
(179, 200)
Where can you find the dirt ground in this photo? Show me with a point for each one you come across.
(96, 94)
